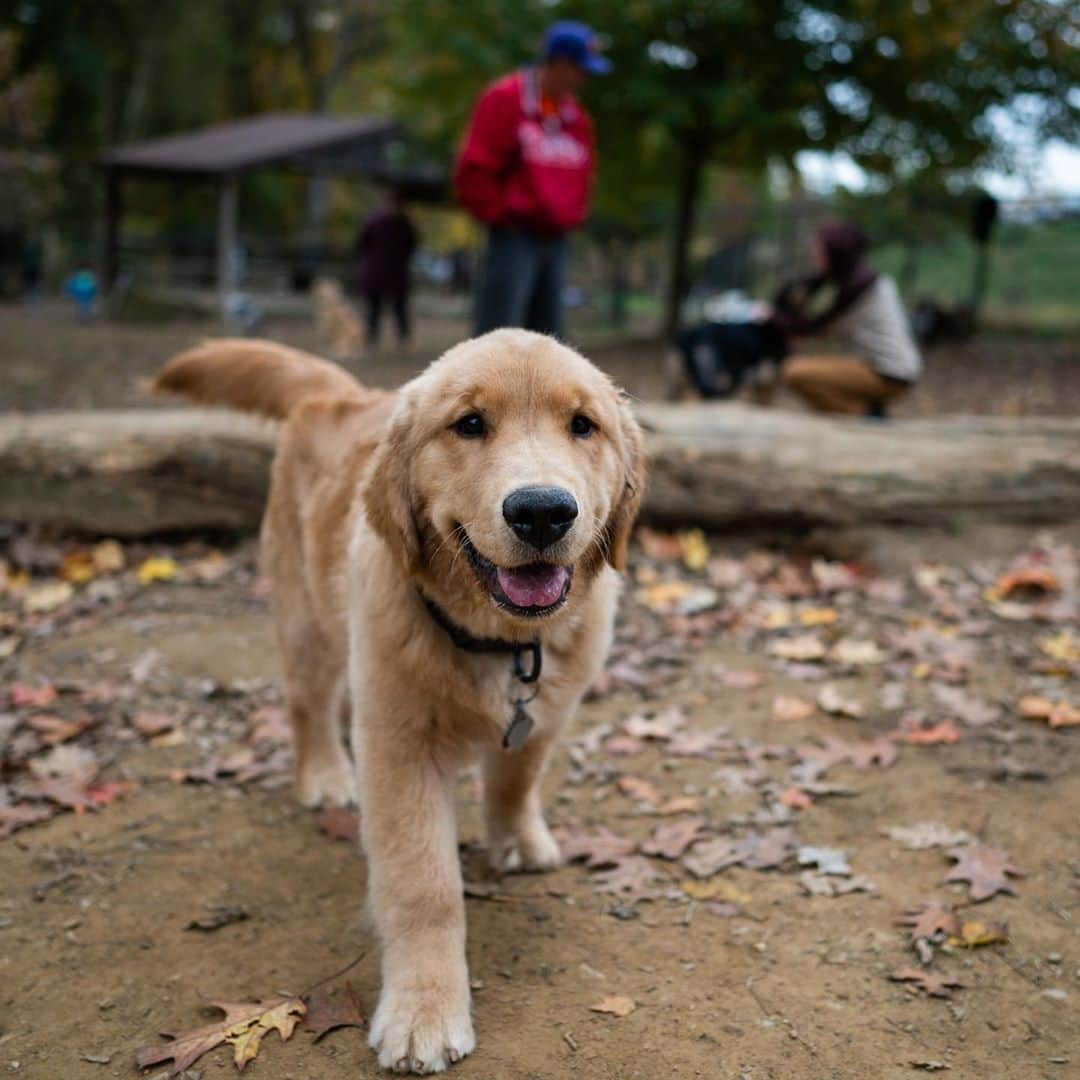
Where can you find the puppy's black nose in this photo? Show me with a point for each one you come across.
(540, 515)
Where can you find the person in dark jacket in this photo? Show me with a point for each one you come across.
(384, 249)
(526, 171)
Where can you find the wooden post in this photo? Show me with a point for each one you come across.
(114, 212)
(226, 241)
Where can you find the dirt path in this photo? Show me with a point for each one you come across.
(759, 981)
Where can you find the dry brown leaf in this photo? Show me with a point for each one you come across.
(946, 732)
(339, 823)
(598, 848)
(328, 1010)
(926, 834)
(969, 710)
(680, 804)
(672, 838)
(615, 1005)
(243, 1027)
(931, 921)
(928, 982)
(36, 696)
(633, 875)
(1033, 582)
(986, 869)
(55, 729)
(795, 798)
(645, 791)
(1055, 713)
(661, 726)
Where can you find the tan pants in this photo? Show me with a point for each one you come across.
(838, 384)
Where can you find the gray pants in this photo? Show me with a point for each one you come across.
(521, 282)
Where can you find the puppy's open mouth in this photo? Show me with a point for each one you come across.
(533, 590)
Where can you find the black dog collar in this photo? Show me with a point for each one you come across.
(521, 723)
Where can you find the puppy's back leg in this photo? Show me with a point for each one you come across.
(315, 690)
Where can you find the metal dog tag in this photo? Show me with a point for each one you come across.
(517, 731)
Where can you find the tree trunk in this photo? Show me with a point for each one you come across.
(692, 168)
(720, 466)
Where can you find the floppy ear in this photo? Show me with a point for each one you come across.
(620, 522)
(388, 495)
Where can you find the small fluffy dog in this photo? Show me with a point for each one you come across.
(444, 560)
(336, 324)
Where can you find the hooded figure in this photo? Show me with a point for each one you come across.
(878, 358)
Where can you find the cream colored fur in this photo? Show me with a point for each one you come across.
(369, 494)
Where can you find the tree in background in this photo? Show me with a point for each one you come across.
(906, 89)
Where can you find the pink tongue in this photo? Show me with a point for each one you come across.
(533, 586)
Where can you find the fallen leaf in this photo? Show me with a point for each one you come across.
(739, 678)
(1062, 646)
(774, 848)
(827, 860)
(717, 889)
(818, 616)
(37, 696)
(1055, 713)
(677, 598)
(926, 834)
(623, 746)
(804, 647)
(151, 723)
(243, 1027)
(945, 732)
(661, 726)
(985, 868)
(831, 701)
(931, 921)
(645, 791)
(970, 710)
(55, 729)
(822, 885)
(796, 798)
(1032, 581)
(22, 815)
(108, 557)
(672, 838)
(158, 568)
(680, 804)
(339, 823)
(77, 567)
(598, 848)
(973, 934)
(328, 1010)
(928, 982)
(855, 653)
(694, 549)
(633, 874)
(615, 1005)
(219, 916)
(791, 709)
(45, 598)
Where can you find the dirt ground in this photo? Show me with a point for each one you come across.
(50, 361)
(759, 981)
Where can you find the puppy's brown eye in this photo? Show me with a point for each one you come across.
(471, 426)
(581, 427)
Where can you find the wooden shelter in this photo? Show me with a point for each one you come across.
(363, 146)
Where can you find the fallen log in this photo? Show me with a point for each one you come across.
(139, 472)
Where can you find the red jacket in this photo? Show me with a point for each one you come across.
(517, 168)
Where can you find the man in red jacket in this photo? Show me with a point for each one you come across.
(526, 170)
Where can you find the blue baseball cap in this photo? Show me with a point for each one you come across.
(576, 42)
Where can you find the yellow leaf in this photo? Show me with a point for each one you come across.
(819, 616)
(974, 933)
(47, 597)
(157, 569)
(1062, 647)
(108, 557)
(77, 567)
(695, 549)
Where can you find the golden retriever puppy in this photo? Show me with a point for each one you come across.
(336, 324)
(444, 560)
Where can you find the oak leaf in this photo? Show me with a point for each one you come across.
(672, 838)
(329, 1010)
(929, 982)
(930, 921)
(243, 1027)
(986, 869)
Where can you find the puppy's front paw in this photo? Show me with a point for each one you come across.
(530, 848)
(420, 1031)
(326, 783)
